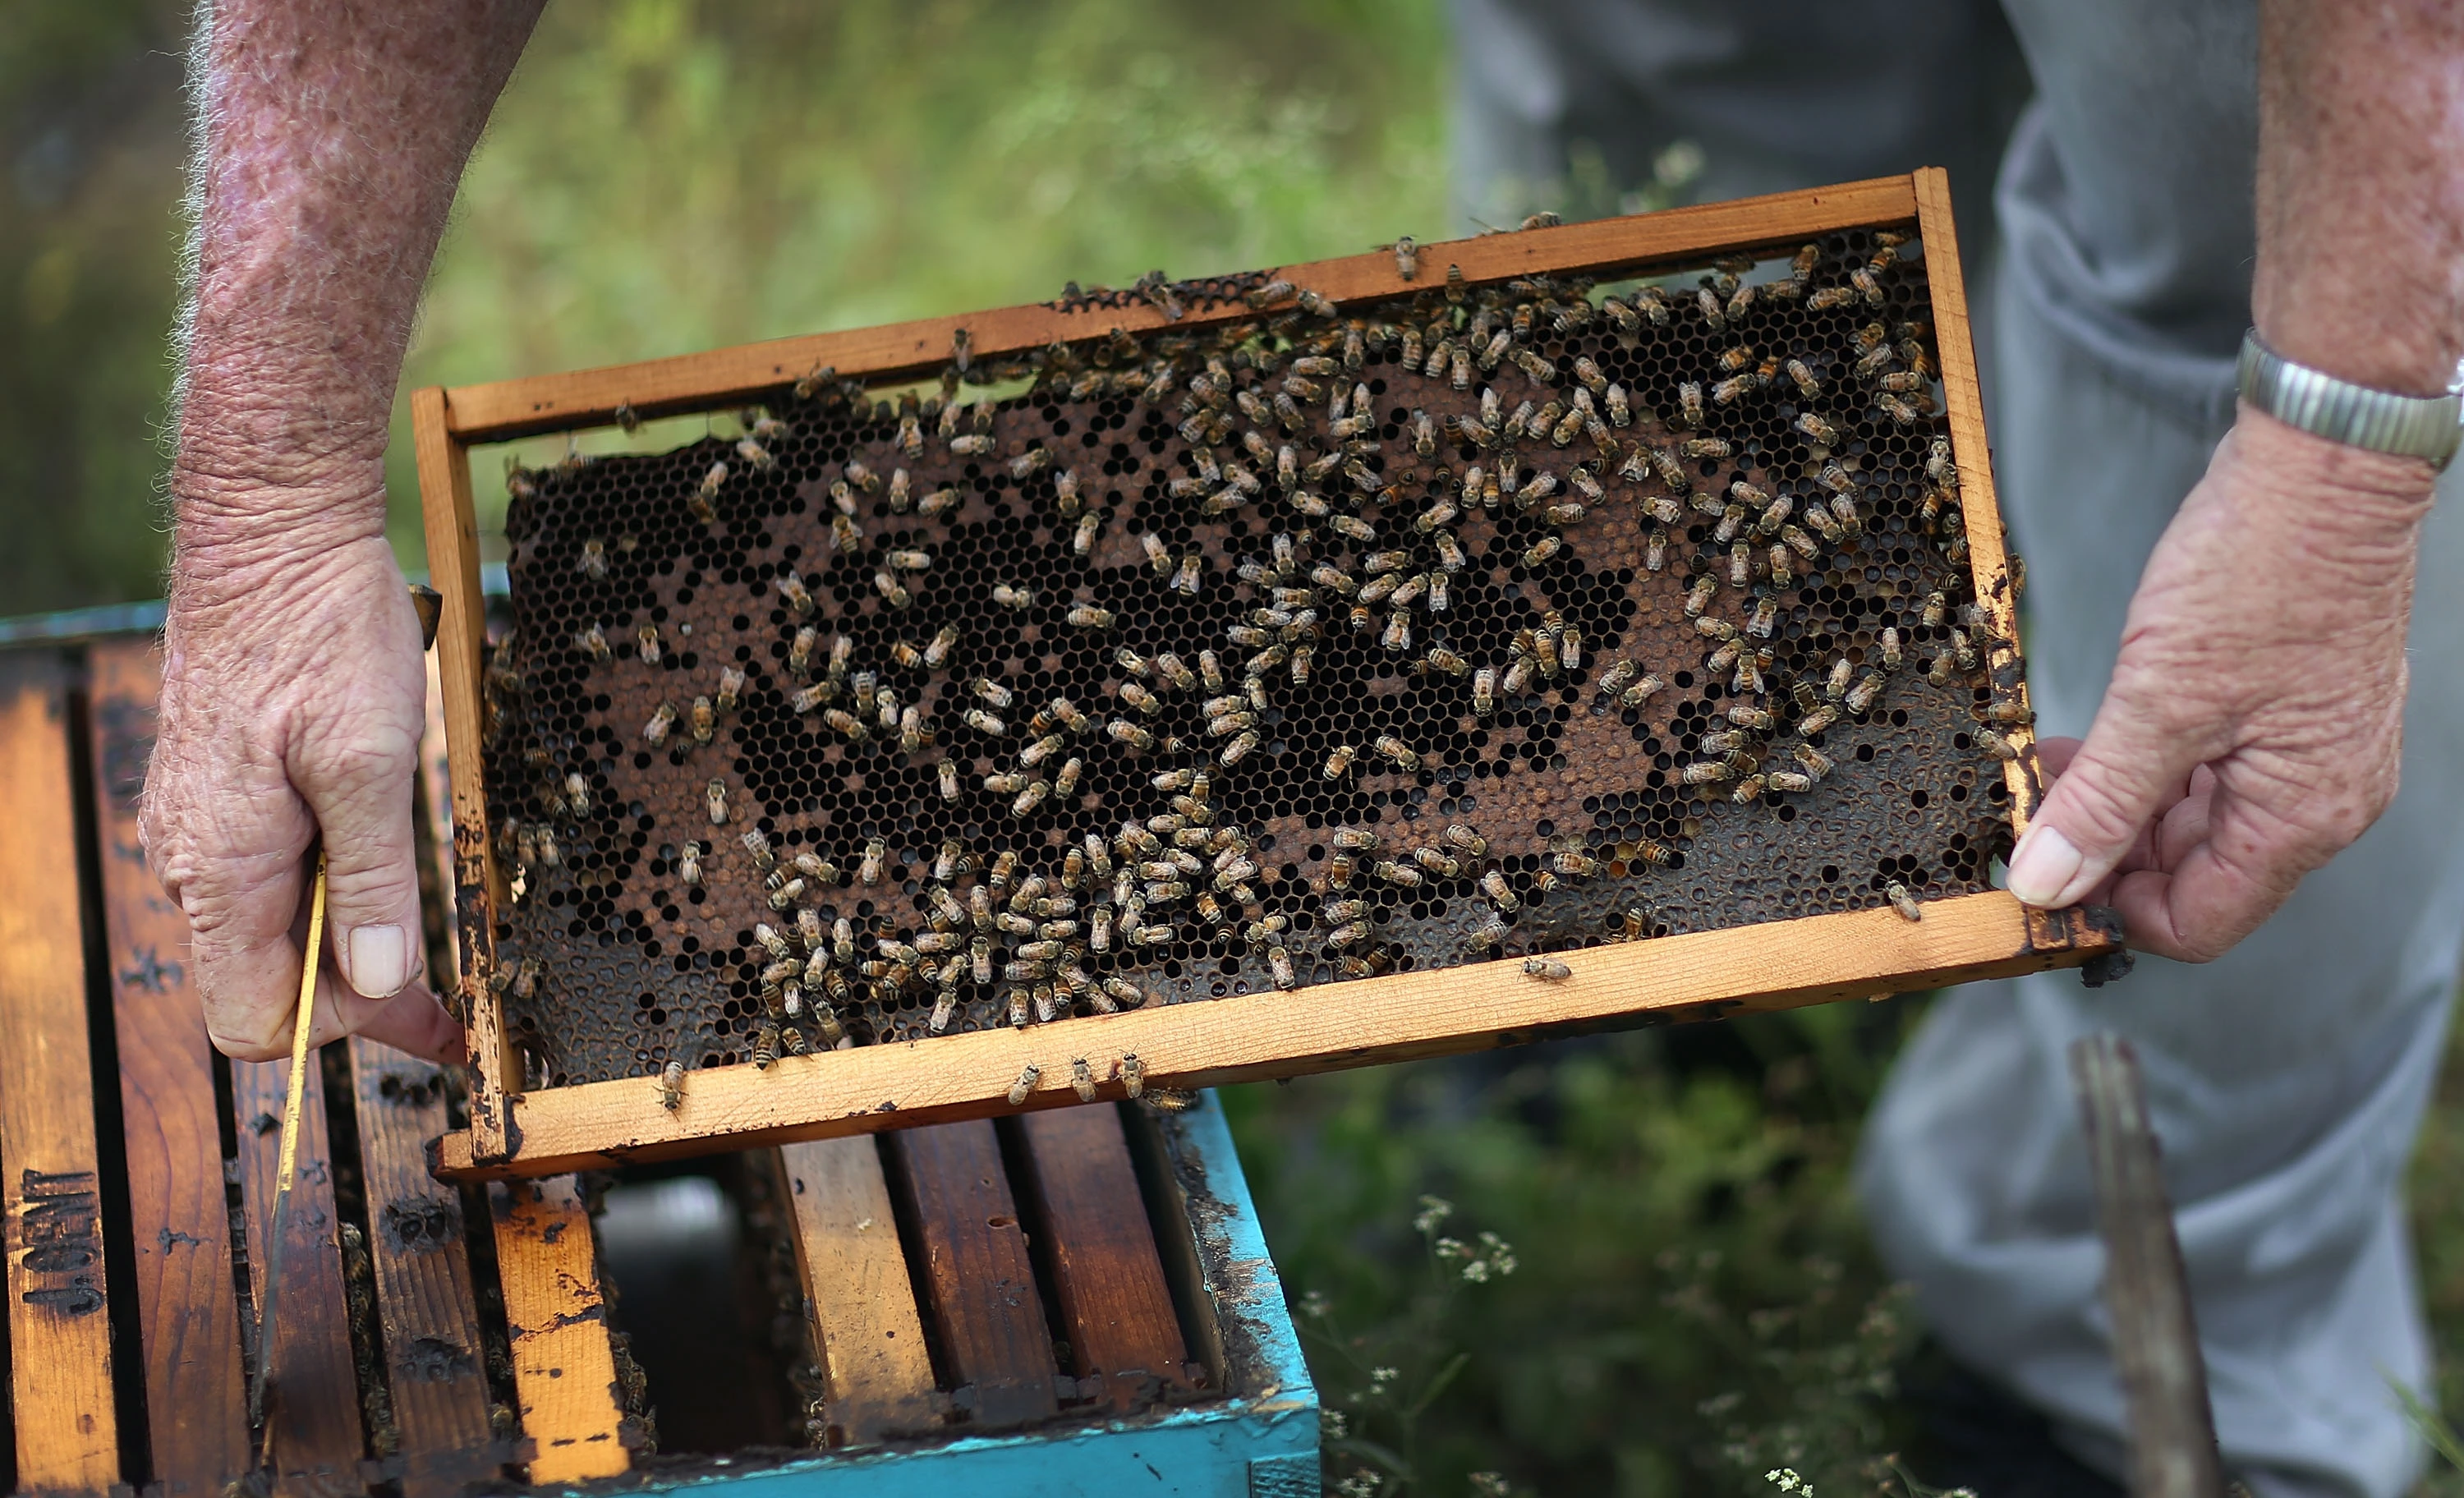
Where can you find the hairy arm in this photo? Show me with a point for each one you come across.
(2254, 725)
(330, 137)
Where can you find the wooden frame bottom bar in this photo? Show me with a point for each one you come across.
(1401, 1017)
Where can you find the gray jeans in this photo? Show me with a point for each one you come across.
(2289, 1078)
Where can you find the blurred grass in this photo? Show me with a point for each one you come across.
(664, 176)
(1692, 1293)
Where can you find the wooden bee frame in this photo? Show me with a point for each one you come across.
(1772, 965)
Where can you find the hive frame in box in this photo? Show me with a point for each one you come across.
(1399, 1017)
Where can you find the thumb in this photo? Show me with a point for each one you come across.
(360, 797)
(2116, 782)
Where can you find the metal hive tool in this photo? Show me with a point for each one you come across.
(1207, 546)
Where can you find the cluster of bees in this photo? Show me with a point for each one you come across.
(1368, 505)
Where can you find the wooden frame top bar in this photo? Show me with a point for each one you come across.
(505, 409)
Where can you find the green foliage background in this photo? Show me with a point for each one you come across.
(1693, 1298)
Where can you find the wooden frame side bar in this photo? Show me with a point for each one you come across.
(454, 567)
(1401, 1017)
(1988, 556)
(509, 408)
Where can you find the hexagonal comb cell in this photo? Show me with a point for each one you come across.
(1320, 643)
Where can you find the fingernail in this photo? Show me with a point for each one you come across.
(379, 960)
(2043, 863)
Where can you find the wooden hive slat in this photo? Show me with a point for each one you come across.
(312, 1396)
(986, 1302)
(876, 1368)
(1777, 963)
(564, 1368)
(59, 1328)
(424, 1297)
(1117, 1308)
(196, 1399)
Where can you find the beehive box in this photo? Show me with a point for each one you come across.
(1052, 1304)
(1585, 626)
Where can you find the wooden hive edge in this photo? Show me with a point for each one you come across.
(1401, 1017)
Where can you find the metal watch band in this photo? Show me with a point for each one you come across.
(2317, 403)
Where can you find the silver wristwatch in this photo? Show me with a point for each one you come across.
(2313, 401)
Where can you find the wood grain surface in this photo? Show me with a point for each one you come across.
(986, 1307)
(877, 1371)
(1117, 1310)
(60, 1325)
(564, 1370)
(433, 1356)
(196, 1399)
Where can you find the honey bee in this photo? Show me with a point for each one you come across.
(1547, 968)
(1861, 696)
(593, 564)
(1395, 871)
(654, 732)
(672, 1086)
(876, 853)
(1027, 1078)
(1902, 901)
(593, 643)
(1484, 692)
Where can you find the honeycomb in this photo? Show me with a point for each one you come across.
(1602, 610)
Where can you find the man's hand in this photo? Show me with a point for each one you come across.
(294, 705)
(2255, 722)
(332, 136)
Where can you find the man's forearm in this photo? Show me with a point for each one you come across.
(331, 136)
(2361, 188)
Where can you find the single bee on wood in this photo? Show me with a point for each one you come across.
(1902, 901)
(1547, 968)
(672, 1086)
